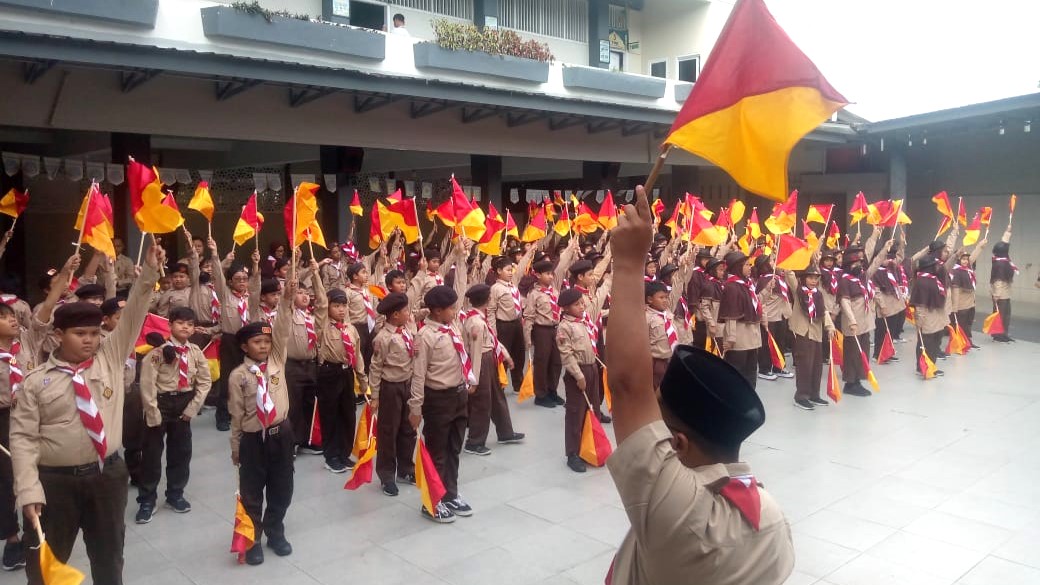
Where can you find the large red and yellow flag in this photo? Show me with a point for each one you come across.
(244, 536)
(55, 572)
(793, 253)
(756, 98)
(860, 209)
(971, 232)
(818, 213)
(962, 214)
(494, 225)
(782, 220)
(249, 223)
(14, 202)
(608, 213)
(375, 230)
(404, 216)
(595, 445)
(355, 205)
(304, 203)
(146, 201)
(202, 201)
(362, 473)
(994, 324)
(431, 489)
(212, 353)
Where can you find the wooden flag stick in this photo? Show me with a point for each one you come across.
(209, 229)
(86, 212)
(655, 171)
(39, 529)
(4, 449)
(140, 248)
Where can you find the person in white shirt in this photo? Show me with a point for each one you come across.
(399, 28)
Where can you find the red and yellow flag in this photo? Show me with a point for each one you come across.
(782, 220)
(212, 353)
(402, 214)
(1012, 202)
(14, 202)
(994, 324)
(833, 235)
(736, 211)
(527, 386)
(942, 205)
(860, 209)
(595, 446)
(870, 373)
(55, 572)
(146, 201)
(375, 231)
(96, 221)
(362, 472)
(244, 536)
(962, 215)
(958, 342)
(888, 349)
(304, 203)
(925, 366)
(355, 205)
(469, 219)
(818, 213)
(753, 227)
(249, 223)
(608, 213)
(985, 215)
(364, 433)
(585, 220)
(971, 233)
(756, 98)
(833, 384)
(608, 397)
(775, 355)
(494, 225)
(431, 490)
(536, 227)
(202, 201)
(793, 253)
(838, 349)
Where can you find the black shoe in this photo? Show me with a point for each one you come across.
(855, 389)
(348, 463)
(804, 404)
(280, 546)
(14, 556)
(390, 489)
(576, 464)
(359, 400)
(973, 346)
(545, 401)
(443, 514)
(477, 450)
(255, 555)
(225, 426)
(604, 418)
(335, 466)
(557, 399)
(940, 373)
(819, 402)
(145, 514)
(459, 507)
(894, 358)
(408, 478)
(514, 438)
(179, 505)
(311, 450)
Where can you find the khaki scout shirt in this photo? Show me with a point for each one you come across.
(391, 360)
(575, 345)
(774, 306)
(799, 321)
(45, 425)
(333, 275)
(356, 311)
(538, 309)
(242, 387)
(158, 377)
(660, 348)
(683, 531)
(124, 271)
(437, 364)
(501, 306)
(230, 319)
(171, 299)
(479, 340)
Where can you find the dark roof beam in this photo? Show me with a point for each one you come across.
(135, 78)
(628, 129)
(299, 96)
(565, 122)
(519, 119)
(228, 89)
(367, 102)
(470, 115)
(604, 126)
(428, 108)
(34, 70)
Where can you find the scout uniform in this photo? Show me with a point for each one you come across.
(962, 289)
(856, 299)
(442, 375)
(390, 378)
(696, 287)
(575, 338)
(333, 274)
(890, 301)
(174, 297)
(339, 362)
(775, 298)
(928, 298)
(663, 336)
(1001, 275)
(504, 314)
(741, 315)
(123, 267)
(235, 310)
(361, 313)
(809, 320)
(265, 312)
(66, 432)
(708, 305)
(301, 371)
(708, 524)
(21, 309)
(133, 415)
(541, 317)
(170, 389)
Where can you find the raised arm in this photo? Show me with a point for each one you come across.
(523, 265)
(979, 247)
(59, 284)
(121, 342)
(253, 302)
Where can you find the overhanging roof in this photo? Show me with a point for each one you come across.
(1025, 107)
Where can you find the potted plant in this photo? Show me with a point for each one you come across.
(497, 52)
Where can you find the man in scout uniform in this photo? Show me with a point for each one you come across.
(581, 378)
(442, 380)
(261, 436)
(333, 270)
(301, 366)
(175, 379)
(66, 432)
(390, 378)
(541, 317)
(698, 514)
(811, 325)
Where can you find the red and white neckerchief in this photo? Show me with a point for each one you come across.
(308, 326)
(15, 375)
(553, 302)
(781, 285)
(182, 365)
(938, 283)
(514, 292)
(409, 342)
(834, 274)
(214, 304)
(242, 305)
(591, 330)
(648, 278)
(265, 410)
(866, 287)
(89, 414)
(269, 314)
(669, 329)
(891, 278)
(348, 344)
(467, 365)
(971, 274)
(687, 317)
(1008, 260)
(370, 313)
(437, 278)
(903, 281)
(810, 301)
(733, 278)
(8, 300)
(742, 492)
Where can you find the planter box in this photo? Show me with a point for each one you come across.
(431, 56)
(226, 22)
(138, 13)
(614, 81)
(682, 91)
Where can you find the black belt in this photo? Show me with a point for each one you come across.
(87, 469)
(173, 394)
(546, 326)
(271, 431)
(459, 388)
(334, 365)
(507, 321)
(303, 362)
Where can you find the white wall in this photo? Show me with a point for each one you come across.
(670, 31)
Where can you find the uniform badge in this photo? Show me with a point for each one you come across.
(274, 380)
(46, 381)
(156, 359)
(107, 393)
(14, 361)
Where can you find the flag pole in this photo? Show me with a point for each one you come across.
(655, 171)
(86, 212)
(140, 248)
(155, 242)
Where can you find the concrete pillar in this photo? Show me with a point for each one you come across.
(485, 13)
(599, 30)
(486, 171)
(139, 146)
(897, 173)
(345, 163)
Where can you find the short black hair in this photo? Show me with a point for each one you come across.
(394, 275)
(398, 16)
(182, 314)
(6, 310)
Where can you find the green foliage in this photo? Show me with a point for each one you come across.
(255, 8)
(461, 36)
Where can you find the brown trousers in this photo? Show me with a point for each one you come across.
(488, 404)
(511, 336)
(746, 362)
(852, 369)
(660, 366)
(808, 367)
(8, 516)
(444, 412)
(546, 361)
(395, 437)
(92, 501)
(574, 413)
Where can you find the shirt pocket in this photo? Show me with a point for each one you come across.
(57, 405)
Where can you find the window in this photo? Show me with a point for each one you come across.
(659, 69)
(617, 61)
(456, 8)
(563, 19)
(689, 68)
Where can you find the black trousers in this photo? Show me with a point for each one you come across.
(1004, 306)
(488, 404)
(779, 330)
(897, 323)
(808, 367)
(546, 361)
(8, 515)
(444, 429)
(746, 362)
(177, 435)
(700, 334)
(302, 378)
(881, 325)
(133, 429)
(231, 357)
(266, 468)
(966, 319)
(574, 411)
(932, 342)
(511, 336)
(89, 500)
(395, 437)
(852, 370)
(337, 410)
(365, 341)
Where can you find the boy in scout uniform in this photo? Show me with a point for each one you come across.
(179, 294)
(66, 432)
(361, 311)
(442, 380)
(856, 300)
(488, 404)
(261, 435)
(811, 324)
(697, 513)
(392, 352)
(269, 294)
(741, 315)
(505, 311)
(175, 379)
(581, 379)
(339, 362)
(301, 366)
(541, 317)
(775, 298)
(663, 336)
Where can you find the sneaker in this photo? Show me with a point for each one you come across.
(940, 373)
(894, 358)
(576, 464)
(442, 516)
(604, 418)
(819, 402)
(1002, 339)
(390, 489)
(255, 555)
(557, 399)
(311, 450)
(179, 505)
(855, 389)
(225, 426)
(145, 514)
(942, 356)
(335, 466)
(459, 507)
(545, 401)
(514, 438)
(14, 556)
(408, 478)
(280, 546)
(898, 340)
(784, 374)
(348, 463)
(804, 404)
(767, 375)
(973, 346)
(477, 450)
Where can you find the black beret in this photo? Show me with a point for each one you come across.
(354, 268)
(711, 397)
(514, 251)
(829, 253)
(713, 263)
(79, 314)
(501, 262)
(666, 270)
(112, 306)
(542, 266)
(234, 269)
(336, 296)
(811, 270)
(478, 294)
(539, 256)
(391, 303)
(733, 258)
(936, 245)
(270, 285)
(440, 297)
(581, 267)
(569, 297)
(593, 256)
(180, 268)
(652, 287)
(154, 339)
(90, 291)
(926, 262)
(250, 331)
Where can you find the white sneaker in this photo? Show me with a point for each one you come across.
(769, 376)
(785, 374)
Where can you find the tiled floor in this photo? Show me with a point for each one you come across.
(924, 483)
